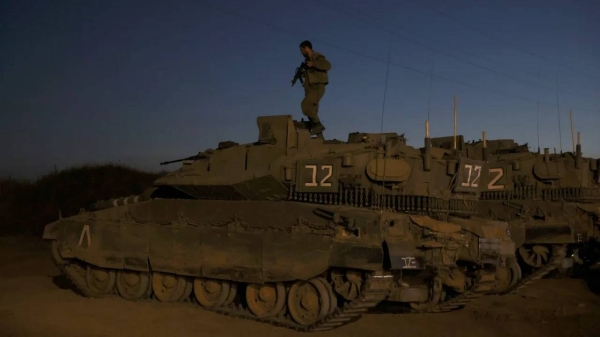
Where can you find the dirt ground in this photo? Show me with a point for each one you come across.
(34, 301)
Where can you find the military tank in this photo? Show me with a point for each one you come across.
(552, 201)
(299, 232)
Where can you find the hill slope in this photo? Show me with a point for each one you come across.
(26, 207)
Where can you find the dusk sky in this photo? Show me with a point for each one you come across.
(140, 82)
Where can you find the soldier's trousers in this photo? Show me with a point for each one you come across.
(310, 104)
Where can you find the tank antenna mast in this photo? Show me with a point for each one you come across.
(537, 115)
(430, 84)
(538, 125)
(387, 144)
(572, 132)
(455, 103)
(427, 155)
(558, 107)
(578, 158)
(484, 150)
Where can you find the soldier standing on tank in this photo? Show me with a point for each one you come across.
(315, 80)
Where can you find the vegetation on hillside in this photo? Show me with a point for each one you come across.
(26, 207)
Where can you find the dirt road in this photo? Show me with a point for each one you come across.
(34, 301)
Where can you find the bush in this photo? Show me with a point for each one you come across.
(26, 207)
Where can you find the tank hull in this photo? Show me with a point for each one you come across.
(252, 242)
(355, 255)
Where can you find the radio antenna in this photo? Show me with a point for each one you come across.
(572, 131)
(537, 115)
(387, 72)
(430, 84)
(387, 149)
(558, 107)
(455, 103)
(538, 124)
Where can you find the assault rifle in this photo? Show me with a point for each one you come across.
(299, 72)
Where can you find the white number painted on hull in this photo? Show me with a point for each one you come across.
(492, 184)
(472, 169)
(323, 181)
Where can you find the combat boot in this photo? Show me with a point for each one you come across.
(317, 128)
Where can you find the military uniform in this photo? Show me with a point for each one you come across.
(315, 80)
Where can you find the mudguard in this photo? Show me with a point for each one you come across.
(553, 234)
(356, 253)
(230, 250)
(175, 250)
(231, 255)
(294, 256)
(105, 244)
(590, 208)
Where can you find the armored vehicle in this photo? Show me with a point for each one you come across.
(300, 232)
(552, 201)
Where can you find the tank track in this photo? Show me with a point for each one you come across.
(558, 254)
(375, 290)
(484, 287)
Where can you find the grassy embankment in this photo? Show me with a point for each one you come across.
(26, 207)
